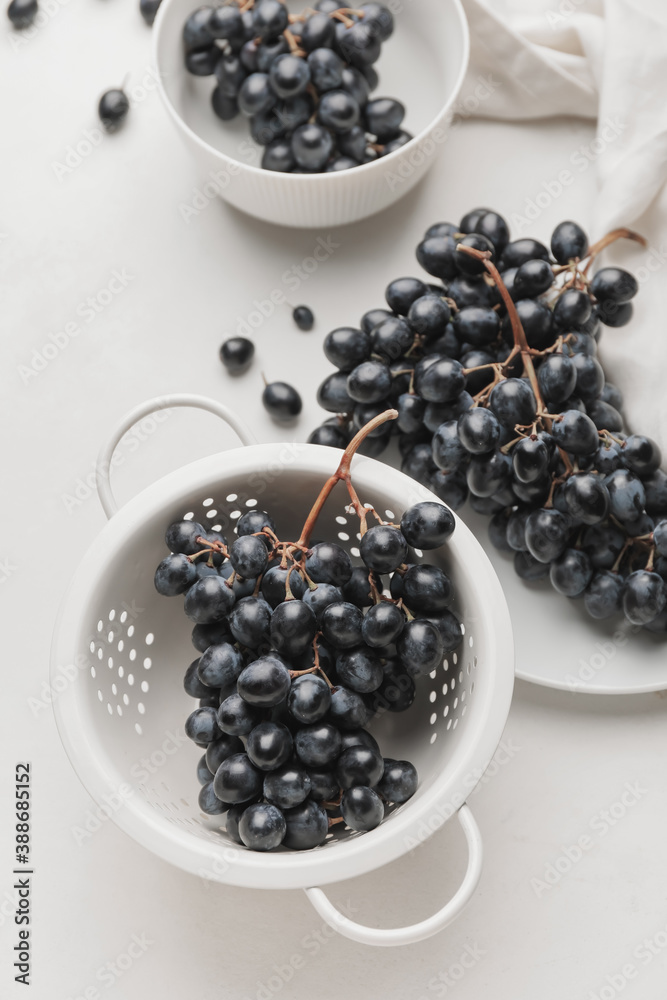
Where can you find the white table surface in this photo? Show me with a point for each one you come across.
(571, 757)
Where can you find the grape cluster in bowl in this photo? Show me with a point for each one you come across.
(303, 81)
(502, 400)
(299, 651)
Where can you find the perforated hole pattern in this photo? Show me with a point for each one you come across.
(140, 646)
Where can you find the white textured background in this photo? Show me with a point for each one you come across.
(571, 757)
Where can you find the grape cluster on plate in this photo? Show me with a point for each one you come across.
(502, 400)
(303, 81)
(299, 651)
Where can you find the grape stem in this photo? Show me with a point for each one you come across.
(520, 343)
(615, 234)
(342, 474)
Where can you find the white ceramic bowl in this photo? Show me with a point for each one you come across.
(423, 65)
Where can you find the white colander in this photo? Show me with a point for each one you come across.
(120, 652)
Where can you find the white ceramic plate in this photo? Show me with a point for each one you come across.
(559, 646)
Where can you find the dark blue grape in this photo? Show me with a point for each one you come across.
(236, 717)
(220, 749)
(586, 498)
(269, 746)
(262, 827)
(382, 625)
(192, 683)
(249, 621)
(383, 548)
(571, 573)
(576, 433)
(520, 251)
(274, 584)
(362, 808)
(327, 562)
(420, 648)
(437, 255)
(358, 589)
(528, 568)
(568, 242)
(360, 670)
(321, 597)
(265, 682)
(307, 826)
(220, 666)
(573, 308)
(613, 284)
(175, 575)
(603, 595)
(627, 496)
(287, 787)
(557, 378)
(546, 534)
(201, 726)
(293, 628)
(641, 455)
(208, 600)
(341, 625)
(348, 709)
(237, 780)
(644, 597)
(399, 781)
(479, 431)
(309, 699)
(427, 588)
(209, 802)
(312, 146)
(533, 278)
(317, 745)
(513, 403)
(359, 766)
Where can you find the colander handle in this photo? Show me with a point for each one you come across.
(103, 467)
(427, 928)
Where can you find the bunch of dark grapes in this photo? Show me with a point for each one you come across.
(304, 81)
(299, 651)
(502, 401)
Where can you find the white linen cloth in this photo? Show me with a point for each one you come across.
(605, 60)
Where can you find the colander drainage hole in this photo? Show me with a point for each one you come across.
(149, 639)
(138, 729)
(434, 737)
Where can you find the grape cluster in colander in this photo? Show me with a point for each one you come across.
(304, 81)
(502, 401)
(300, 649)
